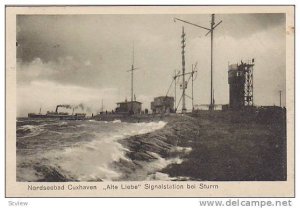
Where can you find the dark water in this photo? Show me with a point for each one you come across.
(55, 150)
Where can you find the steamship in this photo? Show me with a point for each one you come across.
(59, 115)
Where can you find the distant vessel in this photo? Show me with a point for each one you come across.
(59, 115)
(34, 115)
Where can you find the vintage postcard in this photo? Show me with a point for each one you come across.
(150, 101)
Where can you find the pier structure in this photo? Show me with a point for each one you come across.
(240, 80)
(126, 107)
(162, 104)
(184, 83)
(133, 101)
(185, 80)
(211, 32)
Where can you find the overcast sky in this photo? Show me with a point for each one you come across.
(72, 59)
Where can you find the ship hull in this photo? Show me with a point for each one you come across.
(57, 116)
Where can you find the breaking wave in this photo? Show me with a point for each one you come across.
(77, 150)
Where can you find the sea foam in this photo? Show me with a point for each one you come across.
(92, 161)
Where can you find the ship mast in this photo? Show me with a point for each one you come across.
(211, 32)
(132, 68)
(183, 70)
(131, 71)
(102, 107)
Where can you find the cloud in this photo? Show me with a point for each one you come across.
(31, 71)
(47, 95)
(95, 52)
(64, 70)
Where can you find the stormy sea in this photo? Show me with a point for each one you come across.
(88, 150)
(218, 146)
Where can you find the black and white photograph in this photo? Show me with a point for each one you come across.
(151, 97)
